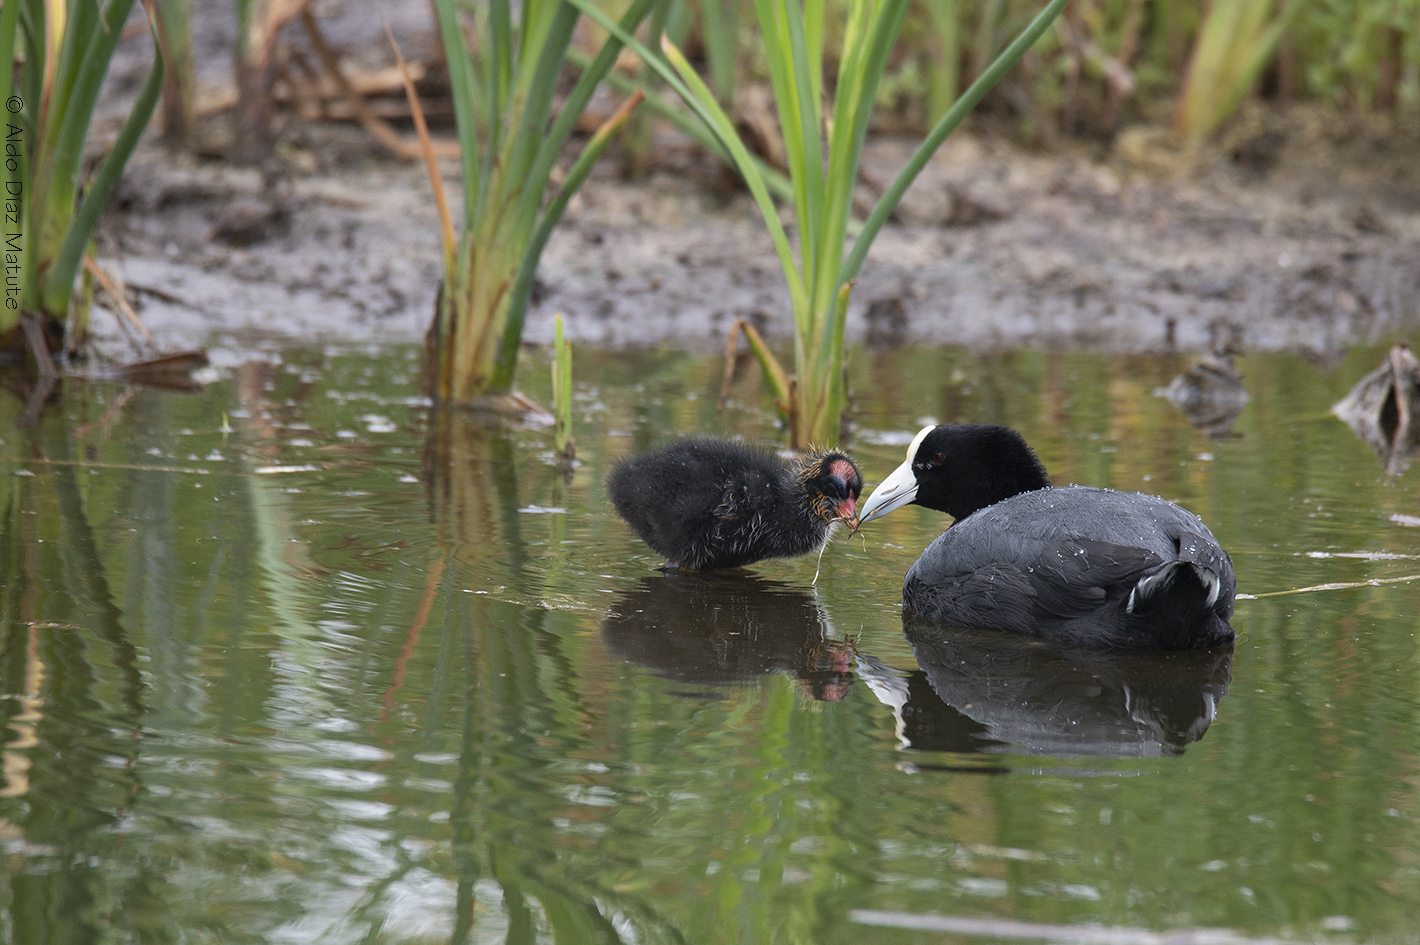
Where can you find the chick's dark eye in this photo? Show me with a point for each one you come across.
(835, 488)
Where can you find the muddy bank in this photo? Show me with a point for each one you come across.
(1312, 245)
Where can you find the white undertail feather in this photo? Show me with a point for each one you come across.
(1146, 585)
(1210, 581)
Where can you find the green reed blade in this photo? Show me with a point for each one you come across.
(1234, 44)
(808, 104)
(535, 22)
(561, 388)
(868, 45)
(79, 77)
(552, 142)
(461, 84)
(719, 23)
(9, 20)
(795, 93)
(748, 169)
(813, 42)
(536, 102)
(945, 68)
(63, 129)
(80, 27)
(65, 267)
(776, 182)
(969, 99)
(779, 55)
(521, 291)
(686, 83)
(36, 54)
(498, 55)
(989, 14)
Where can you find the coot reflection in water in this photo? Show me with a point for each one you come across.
(986, 691)
(706, 631)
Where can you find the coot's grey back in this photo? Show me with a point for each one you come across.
(1062, 563)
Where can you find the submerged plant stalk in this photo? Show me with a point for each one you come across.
(562, 392)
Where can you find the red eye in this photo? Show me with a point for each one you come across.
(937, 458)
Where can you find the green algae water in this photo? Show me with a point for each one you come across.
(296, 659)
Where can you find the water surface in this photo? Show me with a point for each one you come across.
(296, 660)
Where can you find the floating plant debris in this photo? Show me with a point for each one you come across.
(1381, 407)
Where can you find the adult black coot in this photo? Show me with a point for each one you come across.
(706, 503)
(1076, 564)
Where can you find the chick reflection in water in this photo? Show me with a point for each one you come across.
(706, 632)
(1209, 393)
(995, 692)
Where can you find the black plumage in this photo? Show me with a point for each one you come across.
(706, 503)
(1076, 564)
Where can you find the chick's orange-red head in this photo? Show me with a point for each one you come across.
(833, 484)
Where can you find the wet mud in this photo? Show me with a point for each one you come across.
(1301, 232)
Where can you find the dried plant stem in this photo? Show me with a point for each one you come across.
(428, 150)
(114, 290)
(381, 130)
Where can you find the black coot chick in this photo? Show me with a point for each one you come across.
(1080, 565)
(707, 503)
